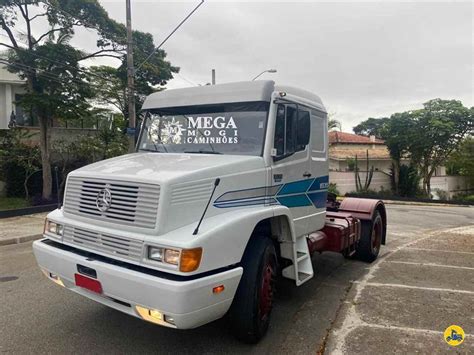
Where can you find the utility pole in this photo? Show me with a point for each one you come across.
(213, 81)
(130, 81)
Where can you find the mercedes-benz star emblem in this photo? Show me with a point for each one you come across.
(103, 200)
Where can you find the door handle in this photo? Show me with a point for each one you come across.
(307, 175)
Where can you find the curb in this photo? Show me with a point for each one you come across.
(413, 203)
(19, 240)
(27, 211)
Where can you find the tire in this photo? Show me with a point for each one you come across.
(250, 312)
(370, 239)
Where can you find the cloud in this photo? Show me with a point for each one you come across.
(365, 59)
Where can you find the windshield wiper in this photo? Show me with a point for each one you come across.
(202, 151)
(150, 150)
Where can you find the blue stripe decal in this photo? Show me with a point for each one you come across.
(320, 183)
(300, 193)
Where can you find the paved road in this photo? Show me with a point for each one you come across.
(328, 313)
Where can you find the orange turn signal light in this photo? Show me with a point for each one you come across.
(218, 289)
(190, 259)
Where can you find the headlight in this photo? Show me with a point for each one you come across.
(155, 253)
(187, 259)
(53, 228)
(172, 256)
(168, 256)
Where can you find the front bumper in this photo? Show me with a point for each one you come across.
(190, 303)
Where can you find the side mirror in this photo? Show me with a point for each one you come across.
(304, 129)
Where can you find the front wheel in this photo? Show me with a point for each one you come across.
(253, 302)
(370, 239)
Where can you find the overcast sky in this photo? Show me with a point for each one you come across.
(364, 59)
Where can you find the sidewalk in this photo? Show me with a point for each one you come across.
(21, 229)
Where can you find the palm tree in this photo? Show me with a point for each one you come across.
(334, 124)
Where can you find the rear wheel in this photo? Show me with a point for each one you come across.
(253, 302)
(370, 239)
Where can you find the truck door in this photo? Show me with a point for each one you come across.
(319, 169)
(291, 169)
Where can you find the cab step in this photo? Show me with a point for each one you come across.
(302, 268)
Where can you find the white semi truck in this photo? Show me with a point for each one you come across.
(227, 190)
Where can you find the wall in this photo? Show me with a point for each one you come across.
(346, 181)
(68, 135)
(452, 184)
(378, 164)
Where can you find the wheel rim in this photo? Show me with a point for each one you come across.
(266, 291)
(376, 235)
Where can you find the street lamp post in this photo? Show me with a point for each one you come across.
(265, 71)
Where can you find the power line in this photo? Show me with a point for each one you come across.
(187, 80)
(172, 32)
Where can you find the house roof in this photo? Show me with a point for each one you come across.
(349, 138)
(379, 153)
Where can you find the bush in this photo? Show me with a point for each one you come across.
(88, 149)
(463, 197)
(19, 163)
(106, 144)
(333, 189)
(441, 195)
(409, 183)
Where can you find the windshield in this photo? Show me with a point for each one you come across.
(236, 129)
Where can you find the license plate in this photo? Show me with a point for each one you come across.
(88, 283)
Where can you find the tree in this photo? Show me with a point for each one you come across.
(371, 127)
(427, 136)
(397, 133)
(461, 162)
(440, 126)
(333, 123)
(111, 82)
(58, 85)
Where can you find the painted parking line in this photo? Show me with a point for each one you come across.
(383, 270)
(440, 251)
(429, 264)
(378, 284)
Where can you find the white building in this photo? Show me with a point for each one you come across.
(11, 85)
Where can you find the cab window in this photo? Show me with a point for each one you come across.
(290, 122)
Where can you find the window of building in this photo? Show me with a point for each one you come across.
(23, 119)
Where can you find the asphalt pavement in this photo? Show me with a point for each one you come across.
(422, 282)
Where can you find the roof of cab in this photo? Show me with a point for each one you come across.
(243, 91)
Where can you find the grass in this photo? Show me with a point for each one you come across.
(10, 203)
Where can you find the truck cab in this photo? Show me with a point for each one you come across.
(226, 190)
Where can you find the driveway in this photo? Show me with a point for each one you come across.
(418, 288)
(422, 283)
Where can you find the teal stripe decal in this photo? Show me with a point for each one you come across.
(301, 193)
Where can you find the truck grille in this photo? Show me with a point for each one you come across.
(105, 243)
(133, 204)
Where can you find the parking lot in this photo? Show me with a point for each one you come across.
(402, 303)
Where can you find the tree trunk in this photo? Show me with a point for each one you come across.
(396, 176)
(45, 145)
(425, 191)
(428, 180)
